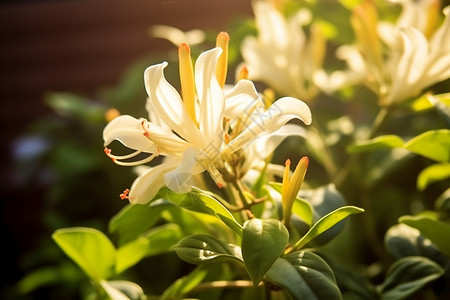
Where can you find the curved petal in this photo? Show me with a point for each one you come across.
(129, 132)
(178, 179)
(241, 99)
(146, 186)
(166, 141)
(278, 114)
(168, 105)
(210, 94)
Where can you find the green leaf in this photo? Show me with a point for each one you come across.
(122, 290)
(200, 249)
(185, 284)
(408, 275)
(90, 249)
(436, 231)
(133, 220)
(203, 202)
(431, 174)
(263, 241)
(324, 200)
(442, 203)
(433, 144)
(156, 241)
(305, 276)
(378, 143)
(327, 222)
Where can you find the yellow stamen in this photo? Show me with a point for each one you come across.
(364, 21)
(243, 73)
(433, 11)
(222, 65)
(187, 80)
(268, 97)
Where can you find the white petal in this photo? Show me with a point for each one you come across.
(178, 179)
(278, 114)
(210, 94)
(168, 104)
(241, 99)
(146, 186)
(166, 141)
(129, 132)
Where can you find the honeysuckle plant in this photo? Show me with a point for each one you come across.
(240, 195)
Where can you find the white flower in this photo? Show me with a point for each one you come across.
(281, 56)
(189, 131)
(397, 61)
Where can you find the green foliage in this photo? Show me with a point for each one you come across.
(434, 144)
(90, 249)
(263, 241)
(200, 249)
(305, 276)
(407, 275)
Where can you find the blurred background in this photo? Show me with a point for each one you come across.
(63, 64)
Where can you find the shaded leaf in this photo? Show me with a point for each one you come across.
(436, 231)
(133, 220)
(184, 285)
(408, 275)
(263, 241)
(431, 174)
(156, 241)
(200, 248)
(305, 276)
(90, 249)
(203, 202)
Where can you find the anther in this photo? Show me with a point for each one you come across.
(124, 195)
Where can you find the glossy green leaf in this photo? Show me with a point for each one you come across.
(203, 202)
(90, 249)
(133, 220)
(327, 222)
(436, 231)
(431, 174)
(408, 275)
(263, 241)
(200, 249)
(324, 200)
(305, 276)
(433, 144)
(185, 284)
(158, 240)
(122, 290)
(378, 143)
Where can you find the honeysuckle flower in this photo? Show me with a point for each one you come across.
(189, 130)
(281, 55)
(397, 61)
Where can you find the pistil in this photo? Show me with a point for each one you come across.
(222, 65)
(187, 80)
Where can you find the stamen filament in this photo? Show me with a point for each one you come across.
(187, 80)
(222, 65)
(136, 163)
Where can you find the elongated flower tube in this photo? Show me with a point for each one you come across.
(192, 131)
(291, 186)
